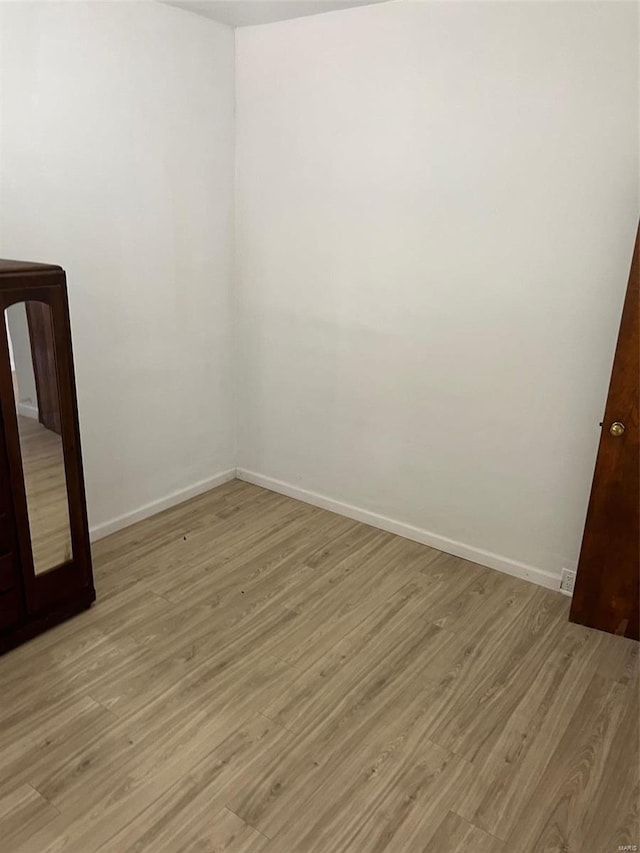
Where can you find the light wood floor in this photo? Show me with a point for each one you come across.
(46, 488)
(260, 675)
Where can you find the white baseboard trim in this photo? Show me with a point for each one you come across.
(417, 534)
(28, 411)
(99, 531)
(383, 522)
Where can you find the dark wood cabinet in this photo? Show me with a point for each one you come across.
(45, 557)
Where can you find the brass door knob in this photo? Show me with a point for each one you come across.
(616, 429)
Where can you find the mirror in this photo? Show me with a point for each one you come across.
(35, 384)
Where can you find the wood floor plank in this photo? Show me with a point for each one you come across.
(614, 807)
(474, 595)
(573, 781)
(389, 796)
(168, 807)
(316, 690)
(64, 728)
(94, 639)
(278, 536)
(455, 835)
(259, 576)
(189, 805)
(489, 674)
(335, 761)
(260, 675)
(162, 740)
(225, 832)
(179, 540)
(366, 696)
(115, 557)
(23, 813)
(168, 672)
(327, 622)
(509, 769)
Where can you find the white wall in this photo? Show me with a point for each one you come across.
(117, 162)
(436, 207)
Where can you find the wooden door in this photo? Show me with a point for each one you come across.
(44, 364)
(607, 585)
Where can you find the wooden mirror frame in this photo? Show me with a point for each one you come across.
(51, 596)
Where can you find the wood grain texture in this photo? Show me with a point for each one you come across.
(22, 813)
(262, 675)
(40, 600)
(607, 586)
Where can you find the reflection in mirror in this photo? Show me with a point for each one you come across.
(35, 384)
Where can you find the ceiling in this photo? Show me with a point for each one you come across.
(243, 13)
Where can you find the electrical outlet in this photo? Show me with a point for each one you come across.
(567, 581)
